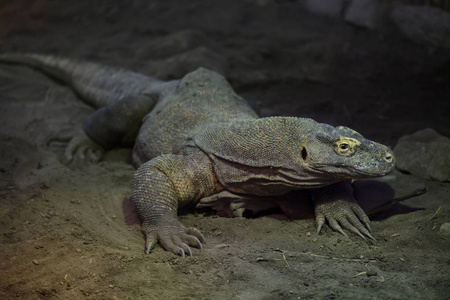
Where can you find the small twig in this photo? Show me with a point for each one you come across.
(435, 214)
(344, 259)
(258, 259)
(284, 256)
(359, 274)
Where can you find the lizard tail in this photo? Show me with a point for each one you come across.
(96, 84)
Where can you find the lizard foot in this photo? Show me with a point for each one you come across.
(172, 236)
(82, 147)
(345, 214)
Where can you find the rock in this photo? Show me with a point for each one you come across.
(170, 45)
(362, 13)
(179, 65)
(425, 154)
(261, 2)
(423, 24)
(445, 228)
(325, 7)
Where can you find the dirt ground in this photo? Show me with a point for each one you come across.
(67, 231)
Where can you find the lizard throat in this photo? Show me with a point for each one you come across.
(266, 180)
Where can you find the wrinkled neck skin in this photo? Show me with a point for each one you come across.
(272, 156)
(267, 180)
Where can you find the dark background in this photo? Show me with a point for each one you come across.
(281, 58)
(64, 229)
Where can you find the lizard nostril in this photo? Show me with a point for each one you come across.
(388, 157)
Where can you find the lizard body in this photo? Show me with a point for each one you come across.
(195, 137)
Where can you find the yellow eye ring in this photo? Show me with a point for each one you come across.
(346, 146)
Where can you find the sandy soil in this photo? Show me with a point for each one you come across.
(67, 231)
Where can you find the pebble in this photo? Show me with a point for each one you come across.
(36, 262)
(445, 228)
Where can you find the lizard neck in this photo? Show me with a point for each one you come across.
(266, 180)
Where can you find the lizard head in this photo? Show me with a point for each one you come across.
(277, 154)
(346, 153)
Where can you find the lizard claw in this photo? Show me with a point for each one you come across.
(320, 221)
(343, 214)
(367, 224)
(173, 237)
(150, 242)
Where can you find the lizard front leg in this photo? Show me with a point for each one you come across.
(160, 187)
(335, 203)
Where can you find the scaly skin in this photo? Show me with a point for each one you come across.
(198, 138)
(97, 85)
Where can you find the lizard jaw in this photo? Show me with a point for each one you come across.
(358, 172)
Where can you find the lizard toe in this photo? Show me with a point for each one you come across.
(361, 221)
(81, 152)
(361, 216)
(195, 232)
(173, 245)
(320, 221)
(150, 242)
(192, 241)
(173, 237)
(81, 146)
(177, 242)
(349, 226)
(334, 224)
(93, 155)
(367, 224)
(340, 209)
(344, 215)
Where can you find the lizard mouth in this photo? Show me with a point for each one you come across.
(366, 171)
(372, 173)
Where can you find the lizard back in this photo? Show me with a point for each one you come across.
(199, 98)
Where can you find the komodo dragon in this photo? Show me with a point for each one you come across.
(195, 137)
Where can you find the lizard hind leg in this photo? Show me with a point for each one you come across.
(114, 125)
(83, 147)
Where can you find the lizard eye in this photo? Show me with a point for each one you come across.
(344, 149)
(346, 146)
